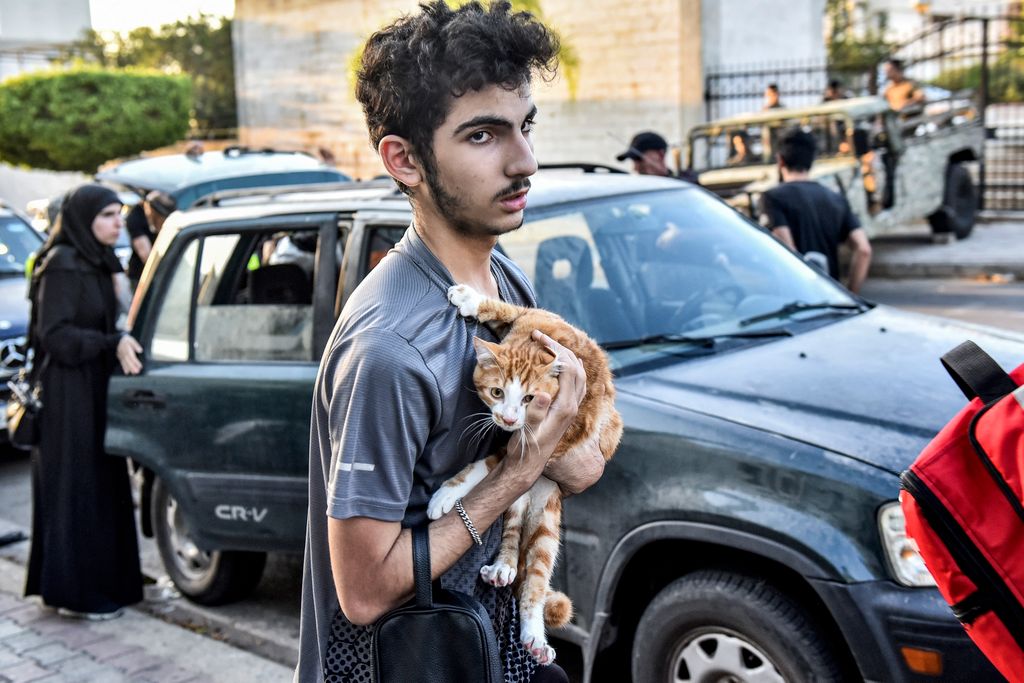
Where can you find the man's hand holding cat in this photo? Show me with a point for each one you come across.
(577, 471)
(547, 420)
(572, 370)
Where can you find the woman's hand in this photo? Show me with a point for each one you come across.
(128, 351)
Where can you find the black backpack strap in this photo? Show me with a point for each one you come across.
(977, 374)
(421, 565)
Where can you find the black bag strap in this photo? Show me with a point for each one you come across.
(977, 374)
(421, 566)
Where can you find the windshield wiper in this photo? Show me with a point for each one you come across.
(799, 306)
(707, 341)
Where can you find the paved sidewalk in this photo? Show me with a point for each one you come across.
(994, 248)
(38, 645)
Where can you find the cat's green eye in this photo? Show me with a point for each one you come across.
(527, 398)
(496, 392)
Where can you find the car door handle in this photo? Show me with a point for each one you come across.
(133, 398)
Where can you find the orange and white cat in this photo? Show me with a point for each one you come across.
(507, 376)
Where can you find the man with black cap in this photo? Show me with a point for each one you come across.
(647, 150)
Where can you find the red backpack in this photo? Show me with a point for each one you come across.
(962, 500)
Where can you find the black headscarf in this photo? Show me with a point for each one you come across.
(74, 228)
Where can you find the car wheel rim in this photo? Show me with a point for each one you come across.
(721, 657)
(193, 562)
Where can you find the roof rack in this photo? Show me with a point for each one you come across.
(581, 166)
(276, 191)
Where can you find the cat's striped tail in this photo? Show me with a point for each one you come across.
(557, 609)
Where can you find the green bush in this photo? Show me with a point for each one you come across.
(76, 120)
(1005, 78)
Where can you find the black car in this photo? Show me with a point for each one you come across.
(18, 244)
(748, 526)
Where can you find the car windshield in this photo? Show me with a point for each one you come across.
(752, 144)
(667, 266)
(17, 242)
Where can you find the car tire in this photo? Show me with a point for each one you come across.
(690, 629)
(959, 204)
(213, 577)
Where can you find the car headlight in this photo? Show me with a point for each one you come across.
(905, 560)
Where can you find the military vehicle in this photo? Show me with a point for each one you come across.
(893, 167)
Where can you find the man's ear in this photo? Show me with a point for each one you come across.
(399, 161)
(484, 353)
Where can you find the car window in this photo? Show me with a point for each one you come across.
(254, 299)
(170, 337)
(676, 262)
(17, 242)
(380, 242)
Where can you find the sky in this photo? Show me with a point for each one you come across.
(124, 15)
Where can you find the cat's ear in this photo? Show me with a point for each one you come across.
(555, 368)
(485, 353)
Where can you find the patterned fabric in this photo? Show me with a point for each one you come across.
(348, 646)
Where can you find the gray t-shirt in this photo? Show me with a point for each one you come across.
(392, 405)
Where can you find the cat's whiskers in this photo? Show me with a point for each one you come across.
(476, 430)
(481, 433)
(478, 425)
(529, 434)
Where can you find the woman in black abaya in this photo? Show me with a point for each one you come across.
(85, 558)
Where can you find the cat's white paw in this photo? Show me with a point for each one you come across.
(538, 647)
(442, 502)
(498, 574)
(466, 299)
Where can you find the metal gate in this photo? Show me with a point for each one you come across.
(981, 56)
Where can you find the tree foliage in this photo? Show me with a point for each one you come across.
(1005, 79)
(76, 120)
(856, 39)
(1005, 67)
(199, 47)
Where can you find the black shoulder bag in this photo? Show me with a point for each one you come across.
(439, 636)
(25, 404)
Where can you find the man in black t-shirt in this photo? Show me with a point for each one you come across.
(143, 223)
(811, 219)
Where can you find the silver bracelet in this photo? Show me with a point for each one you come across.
(468, 522)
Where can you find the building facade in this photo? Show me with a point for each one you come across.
(641, 66)
(32, 32)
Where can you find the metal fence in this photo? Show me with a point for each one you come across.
(975, 54)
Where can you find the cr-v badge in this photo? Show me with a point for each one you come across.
(237, 513)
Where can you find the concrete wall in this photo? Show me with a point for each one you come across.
(753, 32)
(43, 21)
(29, 30)
(19, 186)
(641, 67)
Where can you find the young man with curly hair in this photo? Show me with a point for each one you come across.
(446, 94)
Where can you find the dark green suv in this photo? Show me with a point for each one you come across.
(748, 527)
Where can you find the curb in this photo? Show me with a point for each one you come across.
(181, 612)
(997, 215)
(906, 271)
